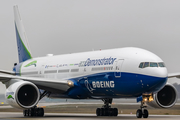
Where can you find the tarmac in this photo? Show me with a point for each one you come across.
(70, 116)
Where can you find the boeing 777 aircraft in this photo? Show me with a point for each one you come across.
(107, 74)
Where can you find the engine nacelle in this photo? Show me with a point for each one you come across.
(23, 95)
(165, 98)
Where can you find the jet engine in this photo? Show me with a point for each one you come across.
(22, 95)
(165, 98)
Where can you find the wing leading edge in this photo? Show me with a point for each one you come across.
(42, 83)
(171, 75)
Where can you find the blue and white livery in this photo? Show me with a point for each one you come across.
(116, 73)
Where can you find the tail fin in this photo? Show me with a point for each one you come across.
(22, 42)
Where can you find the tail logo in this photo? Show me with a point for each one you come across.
(31, 63)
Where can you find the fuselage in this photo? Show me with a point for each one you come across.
(115, 73)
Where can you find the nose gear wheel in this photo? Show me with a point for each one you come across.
(142, 112)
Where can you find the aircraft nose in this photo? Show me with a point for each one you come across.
(162, 72)
(160, 79)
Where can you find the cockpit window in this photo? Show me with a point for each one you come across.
(141, 65)
(146, 64)
(161, 64)
(151, 64)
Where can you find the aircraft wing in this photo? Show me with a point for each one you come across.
(171, 75)
(46, 84)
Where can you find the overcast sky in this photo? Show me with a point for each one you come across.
(69, 26)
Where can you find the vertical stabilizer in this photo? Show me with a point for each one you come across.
(22, 41)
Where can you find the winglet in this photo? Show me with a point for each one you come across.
(22, 41)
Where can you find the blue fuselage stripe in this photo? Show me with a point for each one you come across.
(107, 85)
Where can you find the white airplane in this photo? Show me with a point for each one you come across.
(107, 74)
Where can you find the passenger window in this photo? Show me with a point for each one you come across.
(141, 65)
(161, 64)
(146, 64)
(153, 64)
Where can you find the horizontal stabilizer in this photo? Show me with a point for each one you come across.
(7, 72)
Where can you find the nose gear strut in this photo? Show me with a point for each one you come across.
(142, 112)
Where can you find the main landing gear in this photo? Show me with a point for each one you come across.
(142, 112)
(106, 110)
(38, 112)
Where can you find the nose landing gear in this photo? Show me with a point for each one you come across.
(106, 109)
(142, 112)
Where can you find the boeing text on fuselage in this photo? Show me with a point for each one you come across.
(103, 84)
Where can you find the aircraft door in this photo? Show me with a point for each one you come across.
(41, 71)
(118, 66)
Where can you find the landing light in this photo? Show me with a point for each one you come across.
(151, 99)
(148, 98)
(70, 83)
